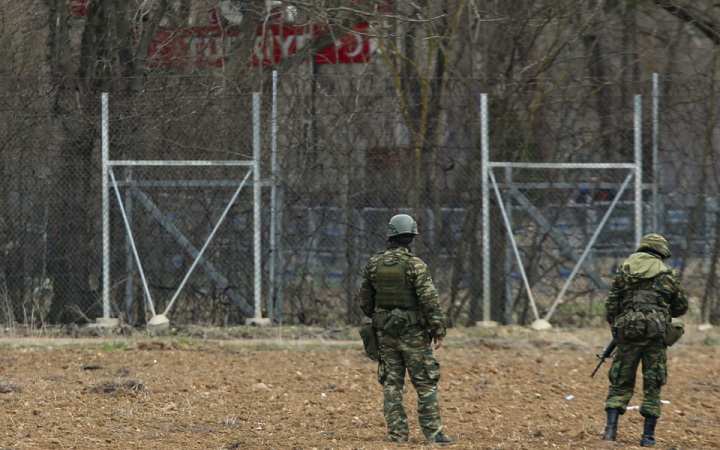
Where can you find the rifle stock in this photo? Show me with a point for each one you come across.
(606, 354)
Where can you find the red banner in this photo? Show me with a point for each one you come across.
(207, 46)
(79, 8)
(190, 46)
(275, 42)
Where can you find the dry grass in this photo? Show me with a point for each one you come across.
(504, 388)
(7, 388)
(131, 385)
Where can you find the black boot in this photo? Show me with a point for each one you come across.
(648, 437)
(611, 426)
(440, 440)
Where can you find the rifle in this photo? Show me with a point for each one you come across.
(608, 351)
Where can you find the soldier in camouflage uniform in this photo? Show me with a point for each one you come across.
(396, 283)
(644, 272)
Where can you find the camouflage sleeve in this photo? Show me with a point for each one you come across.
(429, 301)
(679, 300)
(366, 295)
(612, 304)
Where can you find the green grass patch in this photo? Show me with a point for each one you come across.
(111, 346)
(292, 345)
(26, 347)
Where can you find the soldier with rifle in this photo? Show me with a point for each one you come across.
(644, 297)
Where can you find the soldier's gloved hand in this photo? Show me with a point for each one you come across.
(438, 343)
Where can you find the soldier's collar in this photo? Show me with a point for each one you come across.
(655, 254)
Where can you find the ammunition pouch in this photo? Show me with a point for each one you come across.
(370, 342)
(645, 320)
(629, 327)
(396, 321)
(675, 331)
(655, 325)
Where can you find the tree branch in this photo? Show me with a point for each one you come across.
(320, 44)
(710, 29)
(144, 42)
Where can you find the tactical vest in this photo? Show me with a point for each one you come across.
(644, 318)
(391, 289)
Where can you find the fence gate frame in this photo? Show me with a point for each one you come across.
(254, 312)
(488, 178)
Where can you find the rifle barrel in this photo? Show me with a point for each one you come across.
(606, 354)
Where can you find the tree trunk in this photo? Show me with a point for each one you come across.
(73, 216)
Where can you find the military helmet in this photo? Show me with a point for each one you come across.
(401, 224)
(655, 243)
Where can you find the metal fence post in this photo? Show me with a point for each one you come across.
(257, 220)
(273, 198)
(105, 203)
(485, 156)
(638, 169)
(655, 156)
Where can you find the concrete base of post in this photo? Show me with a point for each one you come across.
(258, 321)
(105, 322)
(540, 325)
(486, 324)
(705, 327)
(158, 322)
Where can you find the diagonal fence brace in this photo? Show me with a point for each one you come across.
(511, 236)
(132, 242)
(557, 237)
(590, 244)
(208, 268)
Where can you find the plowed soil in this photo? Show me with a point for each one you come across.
(496, 391)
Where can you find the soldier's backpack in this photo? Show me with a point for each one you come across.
(644, 319)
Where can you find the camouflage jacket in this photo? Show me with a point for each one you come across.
(418, 276)
(645, 271)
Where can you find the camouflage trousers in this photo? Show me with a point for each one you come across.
(622, 377)
(411, 351)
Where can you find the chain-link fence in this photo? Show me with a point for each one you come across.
(353, 151)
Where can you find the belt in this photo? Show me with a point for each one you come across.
(413, 315)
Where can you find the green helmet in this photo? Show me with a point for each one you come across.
(655, 243)
(401, 224)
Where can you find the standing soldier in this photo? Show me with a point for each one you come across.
(645, 294)
(398, 293)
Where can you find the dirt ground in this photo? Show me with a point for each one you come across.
(504, 388)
